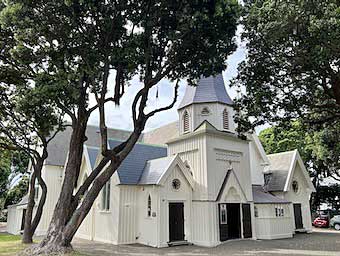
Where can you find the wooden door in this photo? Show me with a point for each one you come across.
(298, 216)
(246, 219)
(176, 222)
(234, 221)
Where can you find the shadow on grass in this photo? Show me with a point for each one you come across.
(11, 245)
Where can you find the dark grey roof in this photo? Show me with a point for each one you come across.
(93, 153)
(58, 147)
(275, 180)
(154, 169)
(260, 196)
(208, 89)
(130, 171)
(277, 172)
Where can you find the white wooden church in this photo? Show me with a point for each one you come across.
(190, 182)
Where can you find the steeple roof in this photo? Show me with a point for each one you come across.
(208, 89)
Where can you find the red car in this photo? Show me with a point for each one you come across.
(321, 222)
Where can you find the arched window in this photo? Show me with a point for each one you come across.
(185, 121)
(149, 206)
(225, 119)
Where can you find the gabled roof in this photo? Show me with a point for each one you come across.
(279, 173)
(208, 89)
(131, 169)
(58, 147)
(154, 169)
(93, 154)
(157, 170)
(260, 196)
(258, 145)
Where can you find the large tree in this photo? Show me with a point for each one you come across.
(77, 45)
(292, 67)
(29, 119)
(317, 149)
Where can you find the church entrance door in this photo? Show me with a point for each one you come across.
(176, 222)
(230, 221)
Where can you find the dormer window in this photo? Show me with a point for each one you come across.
(205, 111)
(225, 119)
(185, 121)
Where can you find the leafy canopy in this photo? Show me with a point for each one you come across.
(293, 65)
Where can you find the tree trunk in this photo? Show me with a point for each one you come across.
(54, 241)
(31, 226)
(28, 234)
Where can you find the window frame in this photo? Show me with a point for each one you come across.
(106, 197)
(225, 120)
(149, 207)
(186, 121)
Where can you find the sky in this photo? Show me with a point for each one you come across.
(120, 117)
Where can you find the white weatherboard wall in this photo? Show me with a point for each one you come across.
(128, 211)
(256, 165)
(154, 230)
(52, 176)
(14, 219)
(301, 197)
(193, 150)
(168, 195)
(225, 153)
(147, 232)
(268, 226)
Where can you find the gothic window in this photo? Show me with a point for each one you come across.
(295, 186)
(185, 121)
(149, 207)
(106, 197)
(225, 119)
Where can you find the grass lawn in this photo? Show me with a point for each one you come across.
(11, 245)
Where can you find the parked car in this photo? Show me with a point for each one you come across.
(335, 222)
(321, 222)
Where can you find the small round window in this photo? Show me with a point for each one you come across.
(295, 186)
(176, 184)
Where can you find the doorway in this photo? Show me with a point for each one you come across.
(176, 222)
(23, 219)
(298, 216)
(229, 221)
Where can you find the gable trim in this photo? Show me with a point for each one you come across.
(225, 181)
(177, 161)
(298, 160)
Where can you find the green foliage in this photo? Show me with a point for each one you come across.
(15, 194)
(329, 195)
(69, 42)
(5, 171)
(319, 151)
(292, 68)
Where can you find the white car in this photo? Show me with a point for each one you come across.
(335, 222)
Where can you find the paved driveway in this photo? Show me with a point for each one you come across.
(319, 243)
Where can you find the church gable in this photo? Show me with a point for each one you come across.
(231, 189)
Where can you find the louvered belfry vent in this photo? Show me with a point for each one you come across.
(185, 121)
(225, 120)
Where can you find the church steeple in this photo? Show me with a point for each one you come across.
(208, 89)
(209, 101)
